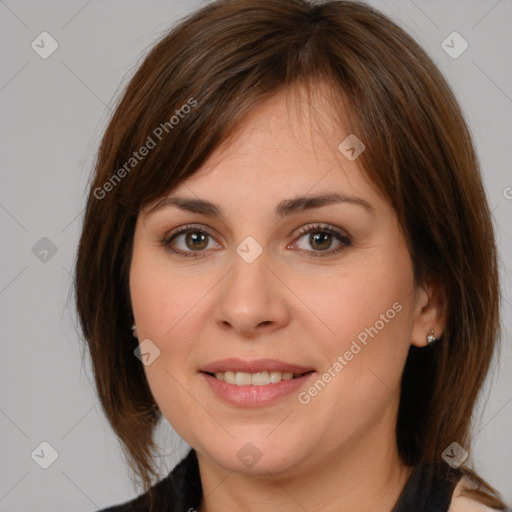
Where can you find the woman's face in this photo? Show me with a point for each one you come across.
(264, 285)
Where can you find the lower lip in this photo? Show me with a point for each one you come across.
(254, 396)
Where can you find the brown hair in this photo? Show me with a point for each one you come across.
(227, 57)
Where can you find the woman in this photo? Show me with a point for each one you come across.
(285, 210)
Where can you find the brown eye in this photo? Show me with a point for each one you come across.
(187, 241)
(320, 239)
(191, 241)
(196, 240)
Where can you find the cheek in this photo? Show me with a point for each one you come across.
(162, 308)
(370, 301)
(161, 299)
(170, 309)
(369, 313)
(364, 361)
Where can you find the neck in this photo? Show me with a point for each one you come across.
(359, 476)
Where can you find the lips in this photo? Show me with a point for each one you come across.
(254, 383)
(255, 366)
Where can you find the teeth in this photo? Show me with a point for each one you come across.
(260, 378)
(275, 377)
(242, 378)
(256, 379)
(229, 377)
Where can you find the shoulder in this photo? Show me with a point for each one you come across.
(180, 489)
(163, 492)
(462, 503)
(138, 504)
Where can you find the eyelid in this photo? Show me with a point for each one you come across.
(321, 226)
(199, 228)
(341, 235)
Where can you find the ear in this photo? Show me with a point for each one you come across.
(430, 312)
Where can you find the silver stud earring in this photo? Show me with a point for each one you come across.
(133, 330)
(431, 339)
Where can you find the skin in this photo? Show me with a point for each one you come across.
(337, 452)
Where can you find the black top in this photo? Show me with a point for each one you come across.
(429, 488)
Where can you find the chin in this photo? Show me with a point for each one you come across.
(256, 455)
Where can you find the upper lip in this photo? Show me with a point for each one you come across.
(254, 366)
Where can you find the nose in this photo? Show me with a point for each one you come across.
(251, 300)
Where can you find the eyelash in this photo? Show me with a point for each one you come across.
(315, 228)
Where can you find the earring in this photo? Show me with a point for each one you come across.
(133, 330)
(431, 339)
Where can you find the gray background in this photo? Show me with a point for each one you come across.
(53, 112)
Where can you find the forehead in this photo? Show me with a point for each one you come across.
(286, 146)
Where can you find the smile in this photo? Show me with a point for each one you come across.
(254, 383)
(256, 379)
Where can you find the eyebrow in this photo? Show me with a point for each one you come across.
(284, 208)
